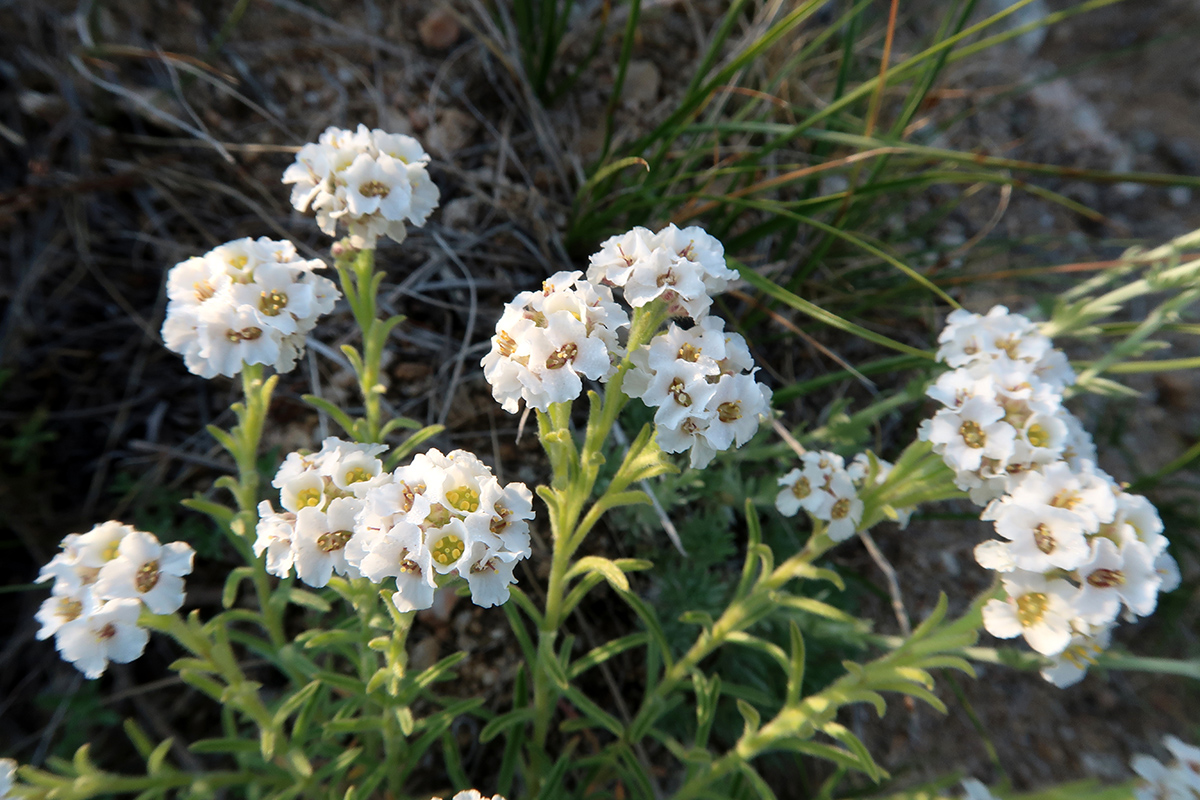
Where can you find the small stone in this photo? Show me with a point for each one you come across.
(452, 132)
(642, 81)
(439, 29)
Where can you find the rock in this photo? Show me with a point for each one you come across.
(642, 81)
(452, 131)
(439, 30)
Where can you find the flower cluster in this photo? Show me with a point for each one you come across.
(1003, 414)
(246, 302)
(102, 579)
(682, 267)
(828, 489)
(372, 180)
(700, 381)
(440, 514)
(1075, 547)
(548, 340)
(471, 794)
(8, 774)
(1179, 780)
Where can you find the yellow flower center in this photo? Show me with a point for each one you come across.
(840, 509)
(562, 356)
(357, 475)
(204, 290)
(111, 549)
(802, 488)
(1106, 578)
(244, 335)
(448, 549)
(1043, 538)
(308, 497)
(676, 391)
(107, 632)
(374, 189)
(1031, 608)
(333, 540)
(237, 262)
(688, 353)
(1037, 436)
(505, 344)
(973, 435)
(272, 302)
(146, 577)
(69, 609)
(729, 412)
(464, 498)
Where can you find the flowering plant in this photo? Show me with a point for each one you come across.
(377, 531)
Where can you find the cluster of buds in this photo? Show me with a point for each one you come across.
(828, 489)
(700, 381)
(246, 302)
(1179, 780)
(1075, 547)
(441, 514)
(683, 268)
(547, 341)
(102, 579)
(371, 180)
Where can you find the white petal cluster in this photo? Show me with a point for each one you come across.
(547, 341)
(440, 514)
(371, 180)
(250, 301)
(471, 794)
(682, 267)
(1075, 549)
(828, 489)
(8, 776)
(1003, 414)
(1178, 780)
(701, 383)
(976, 790)
(102, 579)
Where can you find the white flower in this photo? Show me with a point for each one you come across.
(684, 268)
(1187, 760)
(489, 576)
(65, 604)
(1160, 782)
(148, 571)
(974, 431)
(845, 512)
(1043, 537)
(321, 538)
(547, 341)
(104, 633)
(1168, 572)
(1038, 609)
(8, 776)
(245, 302)
(1112, 576)
(274, 537)
(371, 180)
(995, 555)
(738, 402)
(102, 543)
(976, 790)
(1068, 667)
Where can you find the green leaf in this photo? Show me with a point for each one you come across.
(236, 576)
(139, 738)
(795, 684)
(223, 746)
(301, 597)
(611, 572)
(336, 414)
(843, 734)
(751, 717)
(517, 716)
(155, 763)
(601, 653)
(339, 681)
(293, 702)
